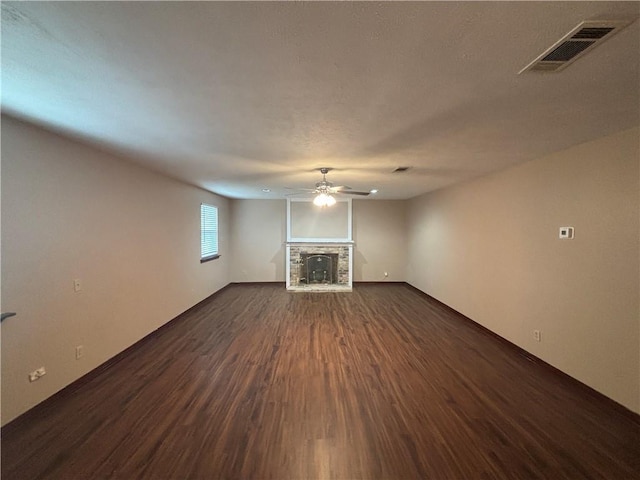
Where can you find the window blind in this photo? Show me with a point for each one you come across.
(208, 231)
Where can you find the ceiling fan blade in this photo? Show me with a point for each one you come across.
(293, 194)
(301, 189)
(351, 192)
(340, 187)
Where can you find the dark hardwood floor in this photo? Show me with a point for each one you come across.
(381, 383)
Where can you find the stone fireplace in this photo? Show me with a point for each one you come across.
(319, 248)
(319, 266)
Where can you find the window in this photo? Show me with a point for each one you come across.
(208, 232)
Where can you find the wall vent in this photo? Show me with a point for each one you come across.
(586, 36)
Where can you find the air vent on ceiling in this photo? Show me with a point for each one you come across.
(401, 169)
(574, 44)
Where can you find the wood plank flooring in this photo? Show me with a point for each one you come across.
(380, 383)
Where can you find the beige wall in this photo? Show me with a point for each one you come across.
(490, 249)
(258, 237)
(131, 236)
(380, 236)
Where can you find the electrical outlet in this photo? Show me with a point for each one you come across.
(537, 335)
(77, 285)
(565, 233)
(37, 374)
(79, 352)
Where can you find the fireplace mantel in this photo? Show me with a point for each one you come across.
(320, 243)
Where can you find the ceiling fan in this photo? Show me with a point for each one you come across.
(325, 190)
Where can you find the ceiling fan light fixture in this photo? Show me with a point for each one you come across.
(324, 200)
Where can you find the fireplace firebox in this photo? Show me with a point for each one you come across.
(319, 268)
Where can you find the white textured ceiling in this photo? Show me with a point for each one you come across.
(240, 96)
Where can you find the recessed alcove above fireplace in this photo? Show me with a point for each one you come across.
(319, 246)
